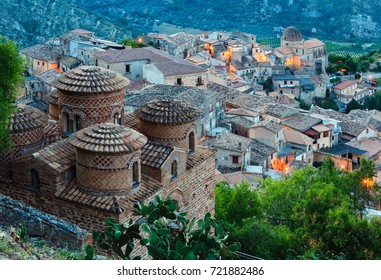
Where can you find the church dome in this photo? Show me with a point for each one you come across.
(292, 34)
(90, 79)
(168, 112)
(109, 138)
(25, 119)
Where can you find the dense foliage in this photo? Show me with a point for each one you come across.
(11, 74)
(167, 235)
(258, 17)
(373, 102)
(312, 214)
(347, 64)
(129, 42)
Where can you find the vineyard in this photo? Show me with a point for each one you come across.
(353, 54)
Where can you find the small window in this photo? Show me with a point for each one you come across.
(174, 170)
(43, 63)
(191, 142)
(179, 82)
(285, 82)
(35, 179)
(117, 119)
(96, 62)
(135, 175)
(235, 159)
(325, 134)
(108, 66)
(127, 68)
(38, 63)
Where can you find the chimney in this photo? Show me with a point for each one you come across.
(240, 145)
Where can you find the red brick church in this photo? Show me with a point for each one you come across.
(87, 161)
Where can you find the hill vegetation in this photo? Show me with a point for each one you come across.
(356, 19)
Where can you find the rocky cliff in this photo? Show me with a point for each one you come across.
(30, 22)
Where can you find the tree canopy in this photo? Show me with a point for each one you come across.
(11, 74)
(312, 214)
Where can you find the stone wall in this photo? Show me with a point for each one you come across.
(53, 230)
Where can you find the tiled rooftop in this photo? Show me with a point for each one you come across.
(301, 122)
(296, 137)
(60, 156)
(154, 154)
(108, 138)
(89, 79)
(167, 112)
(48, 76)
(228, 141)
(191, 95)
(26, 118)
(270, 125)
(42, 52)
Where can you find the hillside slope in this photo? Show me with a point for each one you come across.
(332, 19)
(33, 21)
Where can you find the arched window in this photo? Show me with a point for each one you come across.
(117, 119)
(191, 142)
(174, 170)
(35, 178)
(135, 174)
(68, 123)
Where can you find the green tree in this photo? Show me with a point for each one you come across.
(311, 214)
(373, 102)
(353, 105)
(227, 207)
(11, 74)
(132, 43)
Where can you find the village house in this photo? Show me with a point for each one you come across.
(313, 128)
(154, 66)
(181, 45)
(286, 84)
(348, 90)
(38, 86)
(105, 167)
(261, 157)
(269, 133)
(232, 151)
(343, 156)
(41, 58)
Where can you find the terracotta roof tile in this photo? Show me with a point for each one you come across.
(168, 112)
(59, 156)
(108, 138)
(154, 154)
(90, 79)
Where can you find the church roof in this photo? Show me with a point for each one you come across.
(108, 138)
(89, 79)
(26, 118)
(292, 34)
(167, 112)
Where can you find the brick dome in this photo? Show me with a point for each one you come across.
(109, 138)
(25, 119)
(89, 79)
(168, 112)
(27, 132)
(108, 159)
(292, 34)
(169, 121)
(87, 96)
